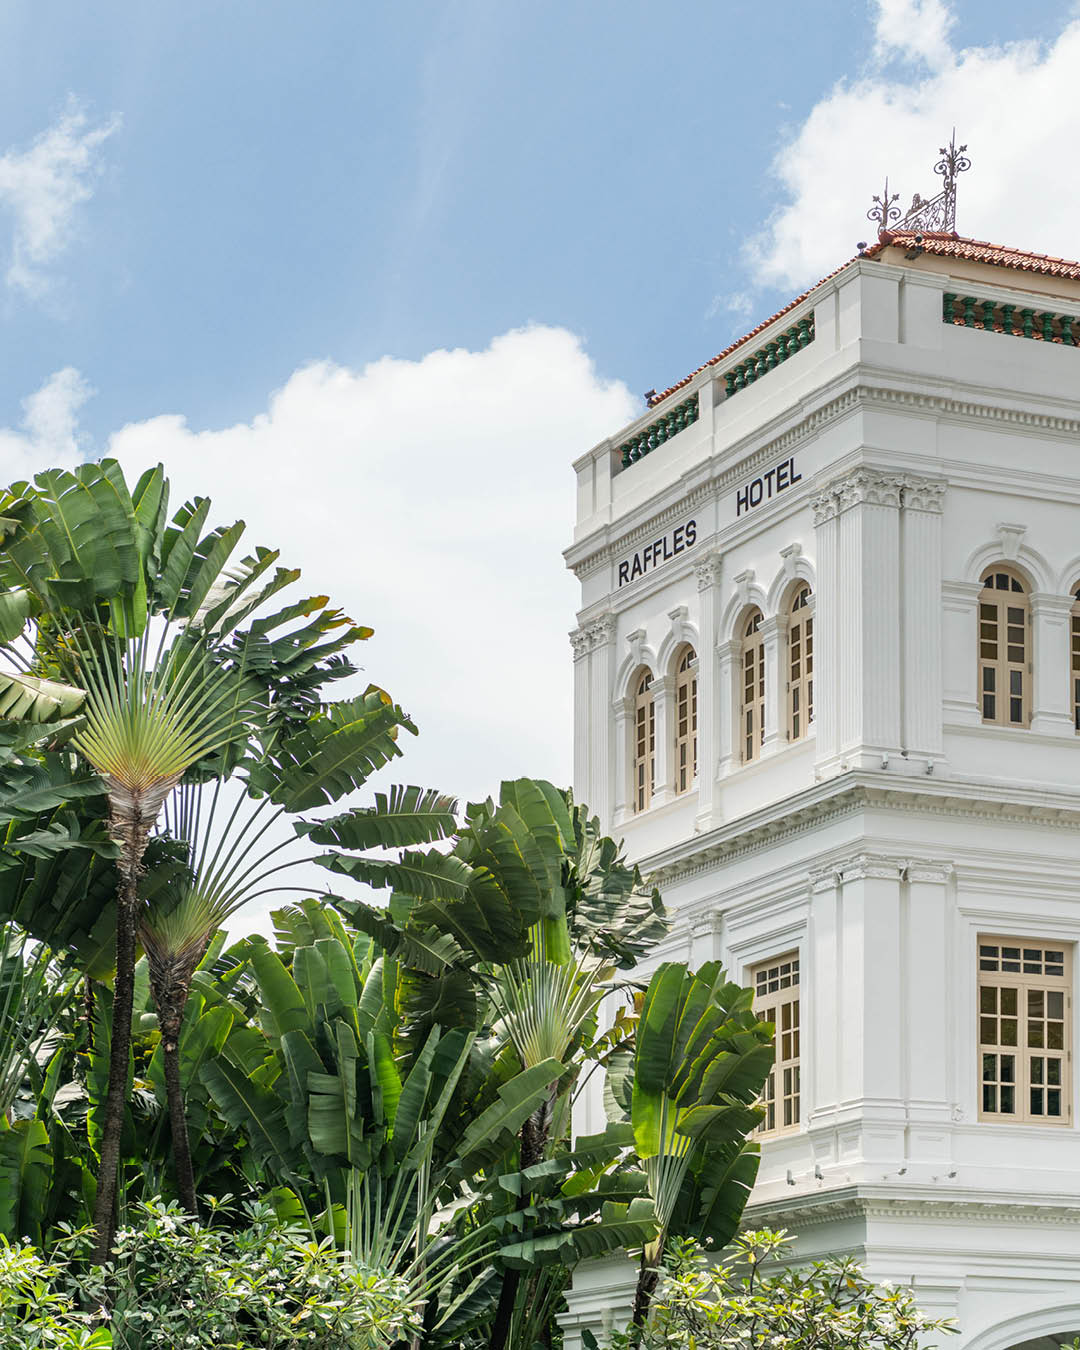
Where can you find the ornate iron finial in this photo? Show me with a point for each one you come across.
(883, 212)
(938, 214)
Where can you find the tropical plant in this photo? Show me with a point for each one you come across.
(110, 611)
(209, 869)
(829, 1305)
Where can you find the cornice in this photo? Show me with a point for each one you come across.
(849, 793)
(587, 555)
(915, 1202)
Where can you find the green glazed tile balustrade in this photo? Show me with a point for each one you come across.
(968, 311)
(680, 417)
(767, 358)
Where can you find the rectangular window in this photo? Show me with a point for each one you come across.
(776, 1000)
(1025, 1044)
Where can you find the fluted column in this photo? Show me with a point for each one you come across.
(709, 712)
(859, 554)
(581, 645)
(960, 618)
(602, 633)
(921, 618)
(829, 684)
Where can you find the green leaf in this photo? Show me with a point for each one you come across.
(402, 817)
(490, 1132)
(25, 1174)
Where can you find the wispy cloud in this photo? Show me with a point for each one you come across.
(41, 189)
(48, 434)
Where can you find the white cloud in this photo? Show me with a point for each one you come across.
(49, 434)
(42, 187)
(915, 29)
(432, 500)
(1013, 105)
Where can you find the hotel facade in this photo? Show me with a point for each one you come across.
(827, 688)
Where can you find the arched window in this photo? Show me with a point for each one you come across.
(685, 719)
(752, 719)
(800, 665)
(644, 741)
(1004, 648)
(1075, 626)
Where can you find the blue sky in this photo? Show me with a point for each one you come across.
(373, 275)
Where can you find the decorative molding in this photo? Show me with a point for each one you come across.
(847, 795)
(1010, 537)
(598, 632)
(869, 866)
(927, 870)
(923, 494)
(936, 1205)
(708, 571)
(739, 465)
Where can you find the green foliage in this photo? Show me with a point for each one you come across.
(173, 1282)
(829, 1305)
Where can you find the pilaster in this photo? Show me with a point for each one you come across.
(728, 727)
(622, 716)
(827, 665)
(708, 572)
(663, 688)
(822, 1002)
(581, 645)
(1051, 711)
(923, 1013)
(774, 632)
(960, 613)
(920, 618)
(859, 553)
(602, 635)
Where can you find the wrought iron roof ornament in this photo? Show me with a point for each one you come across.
(935, 215)
(883, 212)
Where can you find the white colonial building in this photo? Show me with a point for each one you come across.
(827, 687)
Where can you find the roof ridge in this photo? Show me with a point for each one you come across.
(937, 243)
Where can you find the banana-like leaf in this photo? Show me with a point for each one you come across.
(619, 1226)
(402, 817)
(256, 1110)
(31, 699)
(25, 1175)
(489, 1133)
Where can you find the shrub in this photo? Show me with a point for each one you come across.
(176, 1284)
(829, 1305)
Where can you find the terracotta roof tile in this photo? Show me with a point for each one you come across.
(940, 245)
(977, 250)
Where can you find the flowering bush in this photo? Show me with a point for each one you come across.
(36, 1315)
(175, 1284)
(829, 1305)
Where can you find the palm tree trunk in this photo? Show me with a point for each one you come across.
(181, 1145)
(119, 1051)
(648, 1277)
(534, 1134)
(132, 813)
(170, 984)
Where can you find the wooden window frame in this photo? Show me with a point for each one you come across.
(1019, 999)
(643, 731)
(999, 672)
(800, 664)
(1074, 660)
(752, 687)
(686, 720)
(778, 999)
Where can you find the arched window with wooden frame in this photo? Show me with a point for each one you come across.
(1004, 648)
(800, 673)
(752, 699)
(686, 717)
(644, 740)
(1074, 647)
